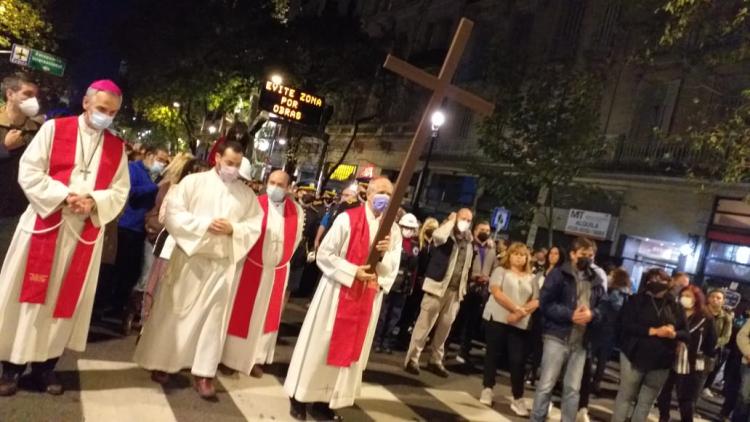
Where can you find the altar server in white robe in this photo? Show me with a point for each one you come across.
(215, 220)
(334, 345)
(256, 313)
(74, 174)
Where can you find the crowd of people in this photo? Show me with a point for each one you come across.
(201, 259)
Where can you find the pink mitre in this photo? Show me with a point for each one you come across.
(107, 85)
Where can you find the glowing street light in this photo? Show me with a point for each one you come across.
(176, 104)
(277, 79)
(282, 141)
(212, 129)
(438, 119)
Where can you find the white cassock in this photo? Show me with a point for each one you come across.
(310, 378)
(28, 331)
(242, 353)
(188, 324)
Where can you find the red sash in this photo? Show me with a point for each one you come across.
(44, 240)
(247, 291)
(355, 303)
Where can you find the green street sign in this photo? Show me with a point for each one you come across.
(38, 60)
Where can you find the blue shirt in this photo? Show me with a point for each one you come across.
(142, 198)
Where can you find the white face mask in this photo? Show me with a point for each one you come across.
(275, 193)
(463, 225)
(29, 107)
(687, 302)
(228, 174)
(408, 233)
(100, 121)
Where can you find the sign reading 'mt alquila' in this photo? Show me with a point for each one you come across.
(588, 223)
(291, 104)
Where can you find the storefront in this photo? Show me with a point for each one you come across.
(727, 262)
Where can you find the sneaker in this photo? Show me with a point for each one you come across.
(460, 359)
(518, 406)
(583, 415)
(708, 393)
(486, 397)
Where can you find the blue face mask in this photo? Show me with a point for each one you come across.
(380, 202)
(157, 167)
(100, 121)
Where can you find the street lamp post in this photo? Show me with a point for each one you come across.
(438, 119)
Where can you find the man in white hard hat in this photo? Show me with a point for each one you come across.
(394, 302)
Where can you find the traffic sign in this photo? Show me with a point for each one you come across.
(500, 219)
(37, 59)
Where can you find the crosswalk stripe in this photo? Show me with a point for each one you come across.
(382, 405)
(465, 405)
(108, 393)
(257, 399)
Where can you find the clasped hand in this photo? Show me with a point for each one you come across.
(80, 204)
(364, 275)
(221, 226)
(582, 315)
(665, 331)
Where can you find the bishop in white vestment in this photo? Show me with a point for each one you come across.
(74, 174)
(333, 347)
(256, 314)
(215, 220)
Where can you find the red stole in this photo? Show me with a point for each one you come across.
(247, 291)
(44, 241)
(355, 303)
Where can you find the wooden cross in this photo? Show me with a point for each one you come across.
(441, 88)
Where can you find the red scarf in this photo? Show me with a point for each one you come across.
(42, 247)
(355, 303)
(247, 291)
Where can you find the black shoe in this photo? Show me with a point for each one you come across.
(43, 382)
(412, 368)
(387, 350)
(438, 369)
(378, 349)
(297, 410)
(8, 386)
(321, 412)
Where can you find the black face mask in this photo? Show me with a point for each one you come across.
(363, 197)
(483, 236)
(583, 264)
(656, 288)
(428, 232)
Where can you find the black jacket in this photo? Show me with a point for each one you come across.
(440, 259)
(642, 312)
(558, 301)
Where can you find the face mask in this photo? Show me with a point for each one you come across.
(228, 174)
(380, 202)
(583, 264)
(362, 197)
(29, 107)
(276, 193)
(306, 199)
(463, 225)
(687, 302)
(100, 121)
(157, 167)
(656, 288)
(429, 232)
(408, 233)
(483, 236)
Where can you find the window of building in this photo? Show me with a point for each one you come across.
(569, 29)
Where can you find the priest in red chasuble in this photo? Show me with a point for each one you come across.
(332, 350)
(256, 312)
(75, 176)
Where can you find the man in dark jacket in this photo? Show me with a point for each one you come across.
(570, 301)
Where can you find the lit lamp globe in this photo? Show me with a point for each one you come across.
(277, 79)
(212, 129)
(438, 119)
(262, 145)
(282, 141)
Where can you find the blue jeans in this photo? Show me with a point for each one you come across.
(742, 408)
(641, 388)
(556, 355)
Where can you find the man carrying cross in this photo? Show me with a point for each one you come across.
(75, 176)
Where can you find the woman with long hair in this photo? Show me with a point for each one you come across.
(692, 356)
(514, 296)
(604, 337)
(555, 258)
